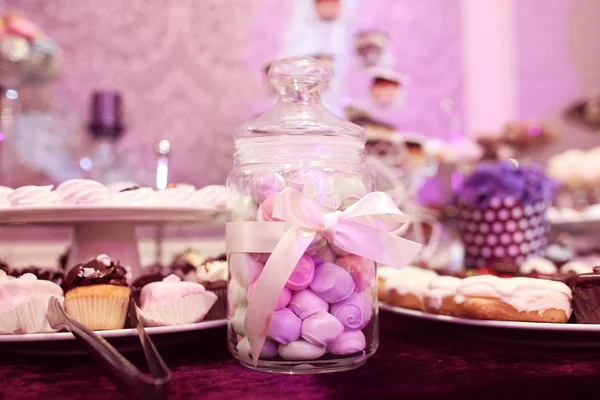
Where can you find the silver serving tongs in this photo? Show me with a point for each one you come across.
(123, 373)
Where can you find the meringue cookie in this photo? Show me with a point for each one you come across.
(180, 195)
(244, 209)
(306, 303)
(32, 195)
(285, 326)
(245, 268)
(348, 343)
(350, 189)
(236, 294)
(300, 350)
(321, 328)
(269, 349)
(332, 282)
(324, 192)
(24, 304)
(263, 184)
(212, 196)
(355, 312)
(82, 191)
(576, 267)
(238, 320)
(4, 193)
(300, 178)
(538, 264)
(361, 269)
(302, 275)
(141, 196)
(282, 301)
(174, 302)
(265, 210)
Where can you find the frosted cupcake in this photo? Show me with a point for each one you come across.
(502, 215)
(213, 274)
(174, 302)
(98, 295)
(24, 303)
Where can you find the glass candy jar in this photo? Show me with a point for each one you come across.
(316, 304)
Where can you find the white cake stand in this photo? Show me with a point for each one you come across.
(107, 229)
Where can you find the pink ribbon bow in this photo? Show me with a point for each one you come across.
(366, 228)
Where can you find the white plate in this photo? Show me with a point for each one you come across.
(94, 213)
(64, 343)
(536, 333)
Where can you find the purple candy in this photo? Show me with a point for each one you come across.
(324, 254)
(265, 183)
(348, 343)
(306, 303)
(302, 275)
(244, 268)
(354, 312)
(285, 326)
(332, 282)
(321, 328)
(262, 257)
(269, 349)
(283, 300)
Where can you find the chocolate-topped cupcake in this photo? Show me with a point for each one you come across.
(185, 265)
(98, 294)
(586, 297)
(213, 274)
(153, 273)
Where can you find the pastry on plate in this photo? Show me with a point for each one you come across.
(513, 299)
(24, 303)
(586, 297)
(98, 294)
(407, 287)
(213, 274)
(439, 297)
(174, 302)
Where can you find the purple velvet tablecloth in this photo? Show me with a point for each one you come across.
(416, 359)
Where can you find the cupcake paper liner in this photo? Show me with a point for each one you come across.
(29, 317)
(506, 232)
(186, 310)
(98, 312)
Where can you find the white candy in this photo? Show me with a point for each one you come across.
(351, 190)
(236, 294)
(237, 321)
(244, 209)
(325, 192)
(244, 268)
(263, 184)
(300, 350)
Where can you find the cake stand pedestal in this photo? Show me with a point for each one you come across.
(107, 230)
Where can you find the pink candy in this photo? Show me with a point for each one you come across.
(361, 270)
(332, 283)
(302, 275)
(285, 326)
(306, 303)
(282, 301)
(263, 184)
(348, 343)
(321, 329)
(265, 210)
(244, 268)
(354, 312)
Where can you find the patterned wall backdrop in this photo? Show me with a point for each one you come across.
(191, 71)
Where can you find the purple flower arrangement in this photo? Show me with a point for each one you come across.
(526, 185)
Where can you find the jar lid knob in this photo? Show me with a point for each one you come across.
(298, 78)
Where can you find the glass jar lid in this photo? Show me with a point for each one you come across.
(299, 82)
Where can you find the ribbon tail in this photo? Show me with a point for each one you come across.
(270, 283)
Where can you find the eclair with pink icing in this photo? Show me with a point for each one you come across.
(174, 302)
(513, 299)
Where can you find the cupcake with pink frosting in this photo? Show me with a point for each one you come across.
(174, 302)
(24, 303)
